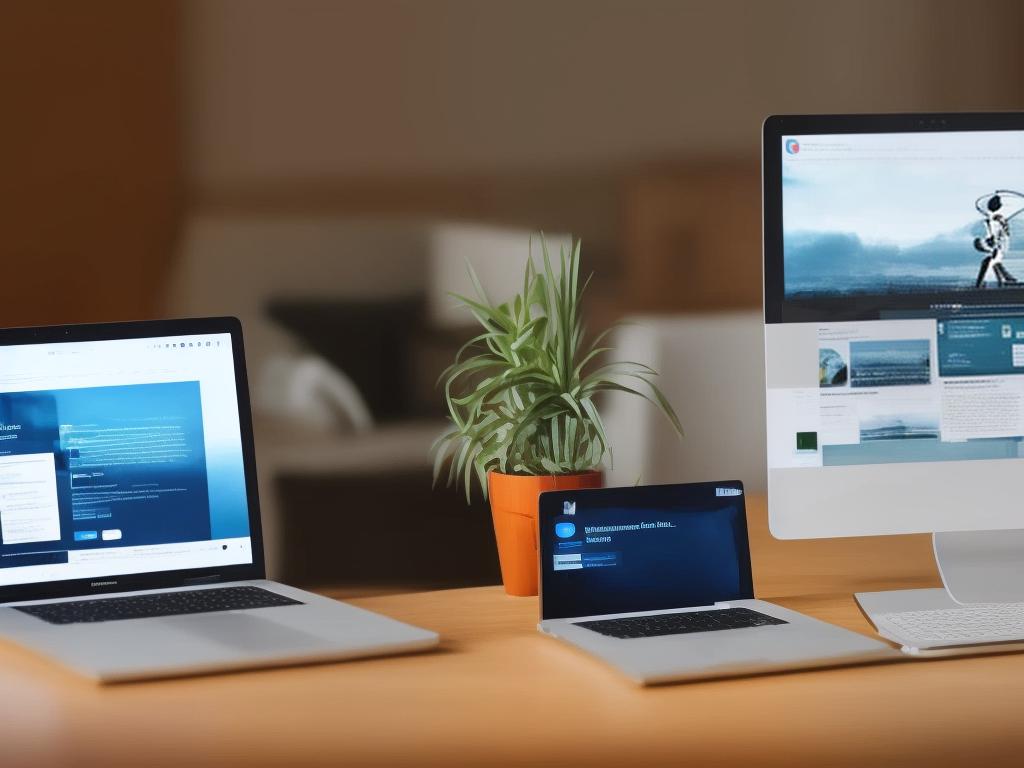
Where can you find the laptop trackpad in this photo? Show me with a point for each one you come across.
(245, 632)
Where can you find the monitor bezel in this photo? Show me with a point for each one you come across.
(45, 590)
(550, 505)
(777, 126)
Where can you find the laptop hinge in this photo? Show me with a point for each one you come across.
(202, 580)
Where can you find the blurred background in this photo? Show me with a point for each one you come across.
(322, 168)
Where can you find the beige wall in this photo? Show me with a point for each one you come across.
(282, 91)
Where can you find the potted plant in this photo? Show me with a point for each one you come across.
(521, 398)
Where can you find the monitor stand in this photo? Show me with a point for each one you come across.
(975, 566)
(981, 566)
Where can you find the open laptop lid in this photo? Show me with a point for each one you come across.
(646, 548)
(126, 458)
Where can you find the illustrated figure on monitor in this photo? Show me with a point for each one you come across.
(997, 209)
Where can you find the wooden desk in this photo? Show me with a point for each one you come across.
(498, 693)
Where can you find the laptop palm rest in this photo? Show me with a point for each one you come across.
(245, 632)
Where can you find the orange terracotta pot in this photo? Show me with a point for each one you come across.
(514, 509)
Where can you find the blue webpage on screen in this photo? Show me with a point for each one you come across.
(118, 457)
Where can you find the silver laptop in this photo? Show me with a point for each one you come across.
(656, 582)
(130, 539)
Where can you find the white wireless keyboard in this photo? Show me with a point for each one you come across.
(944, 627)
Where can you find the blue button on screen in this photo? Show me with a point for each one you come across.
(564, 530)
(85, 535)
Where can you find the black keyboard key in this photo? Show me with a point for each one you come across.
(681, 623)
(158, 604)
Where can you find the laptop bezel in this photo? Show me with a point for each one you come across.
(776, 127)
(45, 590)
(550, 505)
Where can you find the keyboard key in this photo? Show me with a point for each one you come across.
(158, 604)
(680, 623)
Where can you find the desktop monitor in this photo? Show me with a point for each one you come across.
(894, 323)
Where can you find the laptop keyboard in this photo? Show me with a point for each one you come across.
(681, 623)
(159, 604)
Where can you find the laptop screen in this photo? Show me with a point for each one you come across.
(120, 457)
(620, 550)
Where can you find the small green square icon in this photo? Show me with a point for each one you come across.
(807, 441)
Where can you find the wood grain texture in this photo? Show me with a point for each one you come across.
(498, 693)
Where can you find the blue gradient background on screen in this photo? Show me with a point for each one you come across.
(225, 470)
(229, 507)
(140, 438)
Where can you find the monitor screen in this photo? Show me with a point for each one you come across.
(621, 550)
(894, 315)
(120, 457)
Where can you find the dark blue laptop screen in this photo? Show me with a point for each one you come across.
(621, 550)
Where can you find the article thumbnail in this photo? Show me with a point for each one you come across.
(906, 427)
(832, 369)
(890, 363)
